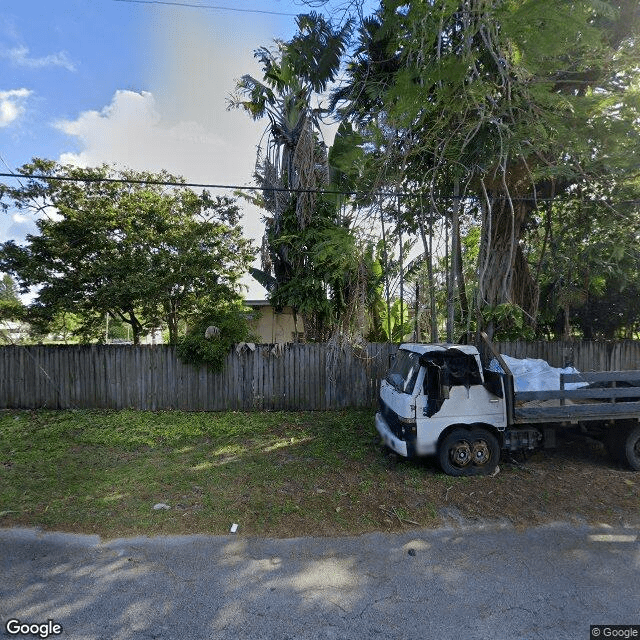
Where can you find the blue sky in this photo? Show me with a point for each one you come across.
(138, 85)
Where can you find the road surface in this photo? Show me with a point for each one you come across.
(483, 583)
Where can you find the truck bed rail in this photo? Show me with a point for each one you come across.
(593, 403)
(580, 394)
(576, 412)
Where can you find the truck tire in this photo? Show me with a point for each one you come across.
(465, 452)
(630, 447)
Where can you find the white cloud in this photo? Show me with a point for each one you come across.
(20, 57)
(12, 105)
(16, 227)
(131, 132)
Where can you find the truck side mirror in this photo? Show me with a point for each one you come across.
(444, 391)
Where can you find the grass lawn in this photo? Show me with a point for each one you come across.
(274, 474)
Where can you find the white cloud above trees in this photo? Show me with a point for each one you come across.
(132, 132)
(12, 105)
(20, 56)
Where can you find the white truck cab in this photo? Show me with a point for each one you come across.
(433, 401)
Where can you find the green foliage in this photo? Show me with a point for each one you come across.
(590, 270)
(295, 69)
(9, 291)
(64, 327)
(315, 51)
(509, 100)
(265, 279)
(135, 250)
(12, 310)
(197, 349)
(394, 326)
(311, 259)
(347, 158)
(11, 307)
(326, 268)
(508, 321)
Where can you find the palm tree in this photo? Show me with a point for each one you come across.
(294, 162)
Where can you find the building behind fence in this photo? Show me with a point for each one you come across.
(280, 377)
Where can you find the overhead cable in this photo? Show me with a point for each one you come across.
(207, 6)
(236, 187)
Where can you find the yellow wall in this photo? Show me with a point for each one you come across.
(274, 327)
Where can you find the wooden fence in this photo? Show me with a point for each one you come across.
(297, 377)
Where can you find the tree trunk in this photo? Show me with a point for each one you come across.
(136, 327)
(504, 274)
(456, 278)
(451, 281)
(462, 289)
(171, 318)
(130, 319)
(427, 246)
(566, 329)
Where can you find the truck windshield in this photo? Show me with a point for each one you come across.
(402, 375)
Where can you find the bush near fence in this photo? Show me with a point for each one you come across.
(270, 377)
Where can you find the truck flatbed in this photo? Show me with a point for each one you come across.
(611, 402)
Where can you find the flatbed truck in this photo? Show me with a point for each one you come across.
(439, 400)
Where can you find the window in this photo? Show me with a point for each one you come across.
(404, 372)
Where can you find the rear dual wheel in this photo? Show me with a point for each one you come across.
(623, 444)
(469, 452)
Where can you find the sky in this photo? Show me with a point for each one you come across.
(142, 85)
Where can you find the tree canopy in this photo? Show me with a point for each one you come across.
(312, 258)
(510, 128)
(11, 306)
(119, 243)
(486, 108)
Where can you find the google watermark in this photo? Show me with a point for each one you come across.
(15, 627)
(600, 631)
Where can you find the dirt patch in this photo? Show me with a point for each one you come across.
(575, 482)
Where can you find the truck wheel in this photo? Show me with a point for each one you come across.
(630, 448)
(485, 451)
(454, 453)
(469, 453)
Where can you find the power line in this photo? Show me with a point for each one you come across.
(196, 185)
(236, 187)
(208, 6)
(166, 183)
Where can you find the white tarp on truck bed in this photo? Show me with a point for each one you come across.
(532, 374)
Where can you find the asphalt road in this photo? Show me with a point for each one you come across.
(463, 583)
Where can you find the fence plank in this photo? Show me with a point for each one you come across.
(315, 384)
